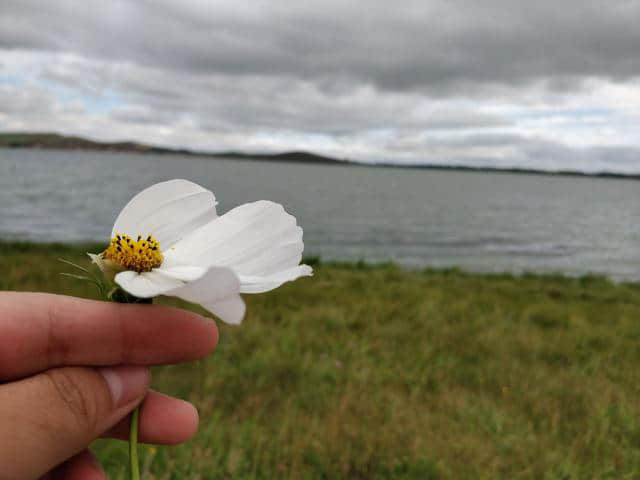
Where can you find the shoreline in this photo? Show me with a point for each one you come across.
(11, 247)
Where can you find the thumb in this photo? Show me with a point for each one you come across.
(50, 417)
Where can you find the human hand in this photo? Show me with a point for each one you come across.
(71, 370)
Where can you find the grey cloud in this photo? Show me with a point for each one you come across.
(446, 81)
(25, 102)
(223, 102)
(435, 46)
(473, 144)
(518, 151)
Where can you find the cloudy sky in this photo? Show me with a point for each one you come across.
(544, 84)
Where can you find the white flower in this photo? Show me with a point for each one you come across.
(168, 240)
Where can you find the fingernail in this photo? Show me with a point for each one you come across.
(126, 383)
(189, 408)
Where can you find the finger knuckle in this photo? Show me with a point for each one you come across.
(73, 398)
(57, 347)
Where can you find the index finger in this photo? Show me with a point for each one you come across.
(39, 331)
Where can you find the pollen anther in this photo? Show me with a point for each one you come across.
(140, 255)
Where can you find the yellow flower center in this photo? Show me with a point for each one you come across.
(141, 255)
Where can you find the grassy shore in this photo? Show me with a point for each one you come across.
(381, 373)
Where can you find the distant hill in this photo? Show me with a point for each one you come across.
(294, 156)
(54, 141)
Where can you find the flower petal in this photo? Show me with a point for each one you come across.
(259, 284)
(168, 211)
(146, 284)
(185, 273)
(230, 310)
(217, 291)
(256, 240)
(271, 260)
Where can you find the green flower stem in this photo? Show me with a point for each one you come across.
(134, 463)
(120, 296)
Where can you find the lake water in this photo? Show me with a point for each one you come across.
(477, 221)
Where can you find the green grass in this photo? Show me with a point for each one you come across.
(375, 372)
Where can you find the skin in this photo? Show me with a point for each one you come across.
(58, 358)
